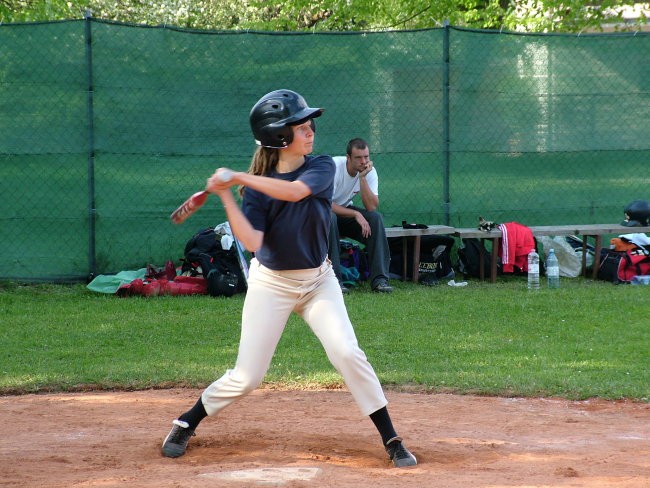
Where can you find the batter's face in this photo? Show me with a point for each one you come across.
(358, 161)
(303, 139)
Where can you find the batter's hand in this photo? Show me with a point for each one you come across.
(222, 179)
(363, 223)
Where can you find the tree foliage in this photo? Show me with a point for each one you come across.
(332, 15)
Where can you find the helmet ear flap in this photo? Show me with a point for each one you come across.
(274, 135)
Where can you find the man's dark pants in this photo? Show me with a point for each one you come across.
(376, 245)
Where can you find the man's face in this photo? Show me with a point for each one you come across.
(359, 159)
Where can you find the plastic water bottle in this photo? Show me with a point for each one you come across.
(552, 270)
(533, 270)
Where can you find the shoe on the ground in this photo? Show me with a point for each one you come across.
(399, 454)
(382, 286)
(344, 289)
(176, 441)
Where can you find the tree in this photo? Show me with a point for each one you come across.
(39, 10)
(333, 15)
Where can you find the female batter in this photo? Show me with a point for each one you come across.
(284, 219)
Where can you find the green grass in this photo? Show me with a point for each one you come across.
(588, 339)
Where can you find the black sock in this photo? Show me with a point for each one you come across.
(382, 421)
(194, 415)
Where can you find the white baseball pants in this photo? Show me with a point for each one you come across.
(316, 296)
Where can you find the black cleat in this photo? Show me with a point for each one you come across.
(176, 441)
(399, 454)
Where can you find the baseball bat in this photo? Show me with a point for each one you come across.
(189, 206)
(196, 201)
(243, 265)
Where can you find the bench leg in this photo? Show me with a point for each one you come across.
(416, 259)
(599, 245)
(481, 261)
(584, 256)
(496, 240)
(493, 262)
(404, 257)
(495, 257)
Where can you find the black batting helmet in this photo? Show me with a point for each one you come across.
(637, 214)
(221, 284)
(273, 115)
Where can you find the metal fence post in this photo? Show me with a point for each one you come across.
(92, 262)
(445, 122)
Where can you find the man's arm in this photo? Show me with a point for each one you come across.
(342, 211)
(368, 197)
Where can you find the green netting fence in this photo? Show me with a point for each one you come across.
(105, 128)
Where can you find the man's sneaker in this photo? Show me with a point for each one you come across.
(399, 454)
(344, 289)
(382, 286)
(176, 441)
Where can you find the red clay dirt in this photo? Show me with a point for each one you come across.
(319, 439)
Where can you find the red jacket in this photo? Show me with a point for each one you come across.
(516, 243)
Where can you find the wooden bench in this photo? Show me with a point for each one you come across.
(595, 231)
(416, 234)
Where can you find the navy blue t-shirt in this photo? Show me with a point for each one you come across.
(295, 233)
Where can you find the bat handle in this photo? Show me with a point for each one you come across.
(224, 174)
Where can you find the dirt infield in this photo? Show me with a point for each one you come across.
(318, 438)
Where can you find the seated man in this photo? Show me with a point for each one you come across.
(355, 174)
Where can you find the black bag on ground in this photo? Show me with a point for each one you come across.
(610, 260)
(435, 258)
(469, 255)
(204, 256)
(621, 266)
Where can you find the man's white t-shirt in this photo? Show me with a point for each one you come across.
(346, 186)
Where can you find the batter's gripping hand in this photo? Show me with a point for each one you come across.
(220, 180)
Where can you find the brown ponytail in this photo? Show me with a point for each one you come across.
(264, 161)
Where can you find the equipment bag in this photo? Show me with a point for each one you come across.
(469, 255)
(435, 258)
(435, 262)
(622, 266)
(204, 256)
(354, 262)
(469, 264)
